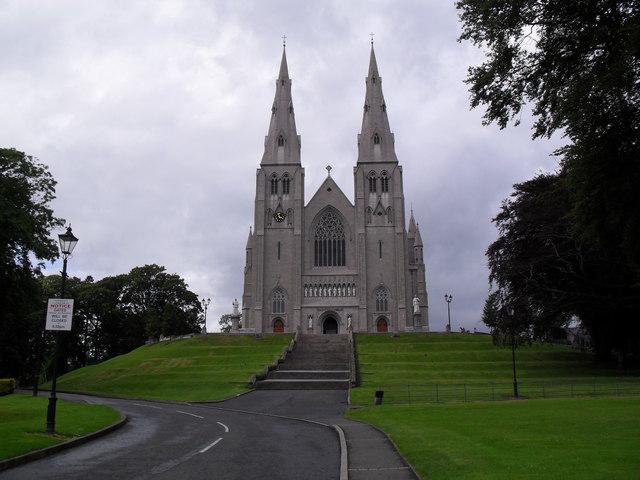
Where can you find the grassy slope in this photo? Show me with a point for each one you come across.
(394, 362)
(595, 438)
(22, 422)
(200, 368)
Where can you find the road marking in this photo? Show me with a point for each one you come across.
(226, 429)
(187, 413)
(209, 446)
(150, 406)
(377, 469)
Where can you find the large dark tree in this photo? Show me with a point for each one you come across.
(26, 220)
(577, 63)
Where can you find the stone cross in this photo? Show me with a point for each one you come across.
(328, 167)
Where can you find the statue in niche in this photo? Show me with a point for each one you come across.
(310, 321)
(416, 305)
(235, 306)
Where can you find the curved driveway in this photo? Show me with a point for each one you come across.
(181, 441)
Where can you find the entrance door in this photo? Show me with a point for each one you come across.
(330, 326)
(278, 326)
(382, 325)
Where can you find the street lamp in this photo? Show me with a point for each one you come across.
(448, 298)
(68, 242)
(513, 351)
(205, 305)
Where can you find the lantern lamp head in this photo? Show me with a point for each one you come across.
(68, 242)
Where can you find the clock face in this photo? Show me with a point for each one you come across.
(279, 216)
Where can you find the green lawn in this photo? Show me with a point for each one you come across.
(22, 422)
(208, 367)
(595, 438)
(453, 361)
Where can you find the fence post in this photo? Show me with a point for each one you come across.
(437, 396)
(465, 392)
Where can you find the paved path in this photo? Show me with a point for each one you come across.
(169, 441)
(371, 455)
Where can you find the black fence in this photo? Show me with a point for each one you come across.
(475, 392)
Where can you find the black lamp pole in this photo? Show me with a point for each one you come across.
(205, 304)
(448, 298)
(513, 352)
(67, 243)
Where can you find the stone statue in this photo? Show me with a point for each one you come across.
(235, 306)
(310, 319)
(349, 322)
(416, 305)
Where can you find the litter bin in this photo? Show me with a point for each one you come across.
(377, 399)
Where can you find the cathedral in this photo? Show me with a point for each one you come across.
(333, 265)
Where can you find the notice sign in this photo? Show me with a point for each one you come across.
(59, 314)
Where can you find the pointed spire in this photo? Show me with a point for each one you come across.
(249, 240)
(375, 141)
(282, 143)
(418, 242)
(284, 70)
(412, 226)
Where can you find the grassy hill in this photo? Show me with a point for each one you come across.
(470, 365)
(208, 367)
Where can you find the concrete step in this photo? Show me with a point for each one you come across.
(313, 366)
(304, 384)
(308, 374)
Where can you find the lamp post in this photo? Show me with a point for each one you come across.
(513, 351)
(67, 243)
(205, 305)
(448, 298)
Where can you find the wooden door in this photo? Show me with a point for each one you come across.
(382, 326)
(278, 326)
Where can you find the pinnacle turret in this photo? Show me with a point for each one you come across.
(375, 141)
(412, 226)
(282, 143)
(418, 241)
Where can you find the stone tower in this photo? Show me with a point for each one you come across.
(332, 265)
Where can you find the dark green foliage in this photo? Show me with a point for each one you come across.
(578, 64)
(26, 220)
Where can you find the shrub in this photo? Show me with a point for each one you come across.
(7, 385)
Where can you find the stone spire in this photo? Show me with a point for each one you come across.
(282, 143)
(418, 242)
(375, 141)
(412, 226)
(249, 240)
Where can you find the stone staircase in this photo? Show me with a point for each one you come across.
(317, 362)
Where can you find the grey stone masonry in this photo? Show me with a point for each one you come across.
(334, 264)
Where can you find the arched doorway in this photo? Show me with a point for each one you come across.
(330, 326)
(382, 326)
(278, 326)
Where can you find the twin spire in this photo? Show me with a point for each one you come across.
(375, 140)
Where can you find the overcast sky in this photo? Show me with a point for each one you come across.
(152, 116)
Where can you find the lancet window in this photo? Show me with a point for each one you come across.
(376, 139)
(373, 183)
(280, 141)
(274, 185)
(329, 241)
(382, 299)
(286, 184)
(384, 182)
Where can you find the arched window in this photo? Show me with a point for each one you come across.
(373, 182)
(274, 184)
(376, 139)
(384, 182)
(286, 183)
(329, 241)
(280, 141)
(278, 301)
(382, 299)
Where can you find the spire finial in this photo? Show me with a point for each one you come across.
(328, 167)
(284, 40)
(371, 35)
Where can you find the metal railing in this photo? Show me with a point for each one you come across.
(495, 391)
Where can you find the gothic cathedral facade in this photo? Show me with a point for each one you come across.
(333, 265)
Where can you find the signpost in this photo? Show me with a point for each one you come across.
(59, 314)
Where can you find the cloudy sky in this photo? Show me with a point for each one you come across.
(151, 117)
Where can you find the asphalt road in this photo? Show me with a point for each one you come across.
(173, 441)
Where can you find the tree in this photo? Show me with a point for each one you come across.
(578, 64)
(225, 323)
(26, 220)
